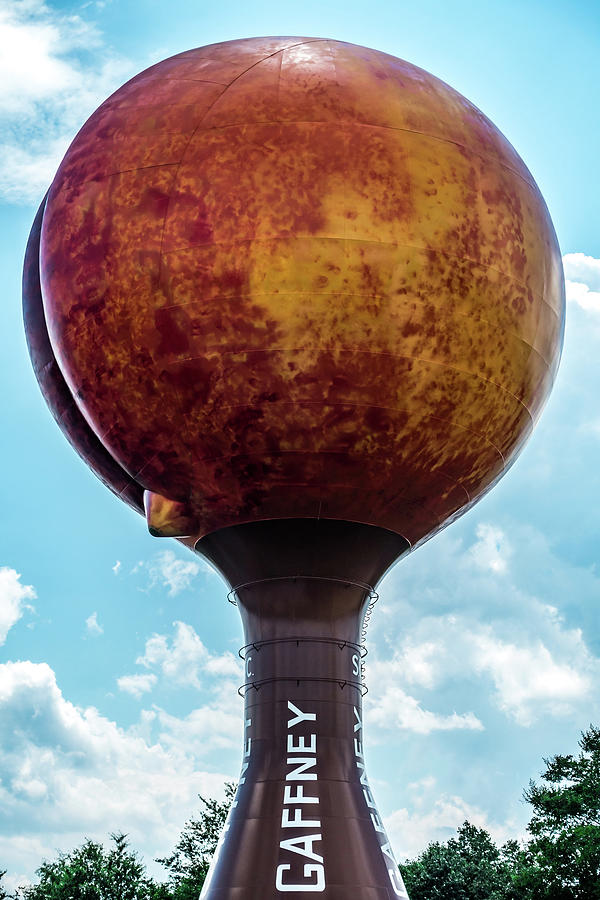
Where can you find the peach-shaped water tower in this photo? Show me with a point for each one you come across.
(301, 303)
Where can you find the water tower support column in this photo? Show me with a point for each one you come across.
(304, 819)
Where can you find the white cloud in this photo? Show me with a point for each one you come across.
(179, 660)
(136, 685)
(528, 680)
(423, 784)
(491, 551)
(582, 280)
(26, 172)
(172, 572)
(13, 600)
(581, 295)
(184, 657)
(483, 623)
(67, 773)
(49, 85)
(417, 663)
(117, 567)
(211, 726)
(583, 268)
(92, 625)
(393, 708)
(225, 665)
(437, 819)
(31, 32)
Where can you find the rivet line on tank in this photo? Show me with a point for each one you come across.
(340, 644)
(373, 595)
(245, 688)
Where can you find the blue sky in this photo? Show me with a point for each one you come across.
(118, 661)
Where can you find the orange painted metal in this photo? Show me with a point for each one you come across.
(296, 277)
(301, 303)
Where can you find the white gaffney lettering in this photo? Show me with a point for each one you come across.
(390, 862)
(295, 815)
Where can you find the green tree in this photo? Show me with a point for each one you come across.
(3, 894)
(563, 855)
(468, 867)
(92, 873)
(189, 862)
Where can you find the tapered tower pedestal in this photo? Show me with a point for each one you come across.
(304, 819)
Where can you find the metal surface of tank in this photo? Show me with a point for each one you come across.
(301, 304)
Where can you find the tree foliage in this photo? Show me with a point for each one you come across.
(468, 867)
(3, 894)
(561, 861)
(92, 873)
(189, 862)
(563, 855)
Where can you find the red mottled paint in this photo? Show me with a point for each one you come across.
(293, 277)
(53, 386)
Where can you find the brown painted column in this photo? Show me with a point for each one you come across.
(304, 819)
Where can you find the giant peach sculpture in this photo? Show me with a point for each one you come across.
(301, 303)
